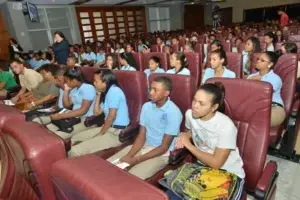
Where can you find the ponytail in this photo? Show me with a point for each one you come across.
(183, 60)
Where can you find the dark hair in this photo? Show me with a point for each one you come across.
(155, 59)
(222, 55)
(74, 58)
(114, 59)
(183, 60)
(52, 68)
(212, 35)
(16, 61)
(60, 34)
(61, 70)
(218, 91)
(290, 47)
(256, 44)
(74, 73)
(238, 38)
(272, 36)
(273, 57)
(108, 77)
(124, 56)
(13, 40)
(165, 81)
(218, 43)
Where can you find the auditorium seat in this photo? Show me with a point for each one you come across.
(184, 88)
(88, 73)
(155, 48)
(294, 38)
(34, 149)
(134, 86)
(175, 48)
(194, 63)
(9, 112)
(138, 59)
(235, 63)
(254, 58)
(199, 49)
(94, 178)
(227, 46)
(253, 127)
(162, 56)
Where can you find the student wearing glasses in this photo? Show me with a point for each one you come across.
(265, 65)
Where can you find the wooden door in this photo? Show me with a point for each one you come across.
(4, 37)
(226, 16)
(193, 17)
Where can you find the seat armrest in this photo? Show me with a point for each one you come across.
(177, 155)
(129, 132)
(267, 181)
(68, 144)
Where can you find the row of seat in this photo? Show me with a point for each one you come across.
(34, 150)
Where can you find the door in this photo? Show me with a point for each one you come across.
(193, 17)
(226, 16)
(4, 37)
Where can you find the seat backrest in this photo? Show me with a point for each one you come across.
(234, 63)
(286, 68)
(294, 38)
(184, 88)
(241, 47)
(134, 86)
(138, 59)
(278, 45)
(194, 63)
(175, 48)
(253, 124)
(155, 48)
(227, 46)
(94, 178)
(199, 49)
(34, 149)
(253, 59)
(88, 73)
(162, 56)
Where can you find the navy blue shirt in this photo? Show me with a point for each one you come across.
(61, 51)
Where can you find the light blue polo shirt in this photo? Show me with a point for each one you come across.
(89, 56)
(184, 71)
(115, 98)
(159, 121)
(100, 57)
(60, 98)
(245, 59)
(38, 63)
(148, 72)
(140, 48)
(276, 82)
(84, 92)
(128, 68)
(210, 73)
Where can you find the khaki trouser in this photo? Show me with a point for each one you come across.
(44, 120)
(298, 73)
(92, 142)
(3, 93)
(144, 169)
(277, 115)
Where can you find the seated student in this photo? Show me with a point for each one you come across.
(218, 62)
(214, 135)
(45, 59)
(72, 62)
(140, 45)
(270, 40)
(29, 79)
(154, 67)
(100, 60)
(7, 82)
(168, 49)
(188, 48)
(129, 51)
(265, 65)
(290, 48)
(79, 95)
(179, 64)
(111, 62)
(237, 43)
(89, 57)
(46, 90)
(119, 48)
(124, 61)
(252, 46)
(39, 60)
(111, 101)
(72, 51)
(81, 55)
(159, 123)
(214, 45)
(145, 49)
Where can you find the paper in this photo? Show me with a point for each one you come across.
(64, 111)
(9, 103)
(46, 110)
(119, 164)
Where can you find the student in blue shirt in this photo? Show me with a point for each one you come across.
(270, 40)
(154, 67)
(89, 57)
(179, 64)
(160, 121)
(111, 101)
(124, 61)
(78, 95)
(111, 62)
(100, 56)
(140, 45)
(216, 44)
(252, 46)
(218, 62)
(265, 65)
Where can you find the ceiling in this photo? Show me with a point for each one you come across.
(106, 2)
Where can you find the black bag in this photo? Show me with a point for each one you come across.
(94, 120)
(30, 115)
(66, 125)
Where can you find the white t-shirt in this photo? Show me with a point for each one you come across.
(218, 132)
(271, 48)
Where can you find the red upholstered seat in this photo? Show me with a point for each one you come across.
(138, 59)
(34, 149)
(227, 46)
(155, 48)
(235, 63)
(254, 58)
(93, 178)
(175, 48)
(134, 86)
(9, 112)
(199, 49)
(162, 56)
(88, 73)
(294, 38)
(194, 63)
(253, 130)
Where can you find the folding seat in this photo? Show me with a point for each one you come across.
(241, 47)
(9, 112)
(138, 59)
(253, 127)
(134, 85)
(162, 56)
(227, 46)
(155, 48)
(294, 38)
(235, 63)
(175, 48)
(94, 178)
(194, 63)
(184, 88)
(88, 73)
(33, 149)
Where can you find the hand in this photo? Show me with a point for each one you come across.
(130, 160)
(28, 106)
(185, 139)
(14, 99)
(55, 116)
(67, 88)
(178, 144)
